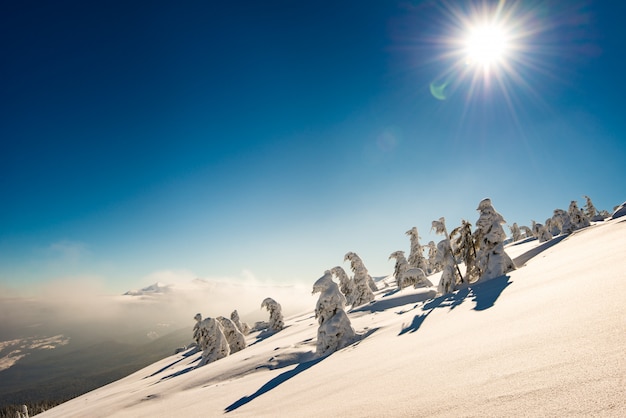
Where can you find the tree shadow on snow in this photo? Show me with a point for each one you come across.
(273, 383)
(522, 259)
(484, 294)
(266, 333)
(384, 304)
(303, 361)
(178, 373)
(188, 353)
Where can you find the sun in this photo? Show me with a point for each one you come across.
(486, 45)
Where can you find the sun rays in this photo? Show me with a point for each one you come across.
(487, 49)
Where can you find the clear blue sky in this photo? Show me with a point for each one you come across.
(275, 136)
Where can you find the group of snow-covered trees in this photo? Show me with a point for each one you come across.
(221, 336)
(562, 222)
(335, 330)
(481, 251)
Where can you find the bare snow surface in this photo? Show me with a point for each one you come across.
(548, 339)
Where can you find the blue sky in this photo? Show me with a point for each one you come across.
(270, 138)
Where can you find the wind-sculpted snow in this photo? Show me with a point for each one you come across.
(276, 315)
(416, 256)
(491, 259)
(236, 340)
(346, 284)
(362, 290)
(446, 259)
(241, 326)
(335, 330)
(406, 275)
(211, 341)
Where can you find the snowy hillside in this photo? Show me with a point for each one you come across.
(546, 339)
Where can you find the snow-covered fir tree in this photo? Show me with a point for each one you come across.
(401, 266)
(241, 326)
(561, 223)
(196, 329)
(576, 216)
(433, 264)
(516, 233)
(371, 283)
(335, 330)
(542, 232)
(406, 275)
(445, 258)
(528, 233)
(416, 256)
(212, 341)
(276, 322)
(234, 337)
(464, 248)
(346, 284)
(492, 261)
(362, 291)
(589, 209)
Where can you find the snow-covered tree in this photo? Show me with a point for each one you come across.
(405, 274)
(464, 248)
(401, 266)
(241, 326)
(576, 216)
(589, 209)
(372, 284)
(516, 234)
(433, 265)
(212, 341)
(416, 256)
(335, 330)
(196, 329)
(362, 291)
(535, 229)
(445, 258)
(561, 223)
(542, 232)
(346, 284)
(492, 261)
(528, 233)
(234, 337)
(276, 315)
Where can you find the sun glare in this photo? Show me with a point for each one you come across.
(486, 45)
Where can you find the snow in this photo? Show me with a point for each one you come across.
(546, 339)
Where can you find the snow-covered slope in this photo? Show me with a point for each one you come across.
(548, 339)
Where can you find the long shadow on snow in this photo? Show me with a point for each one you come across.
(384, 304)
(484, 294)
(278, 380)
(522, 259)
(180, 372)
(283, 377)
(189, 353)
(266, 333)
